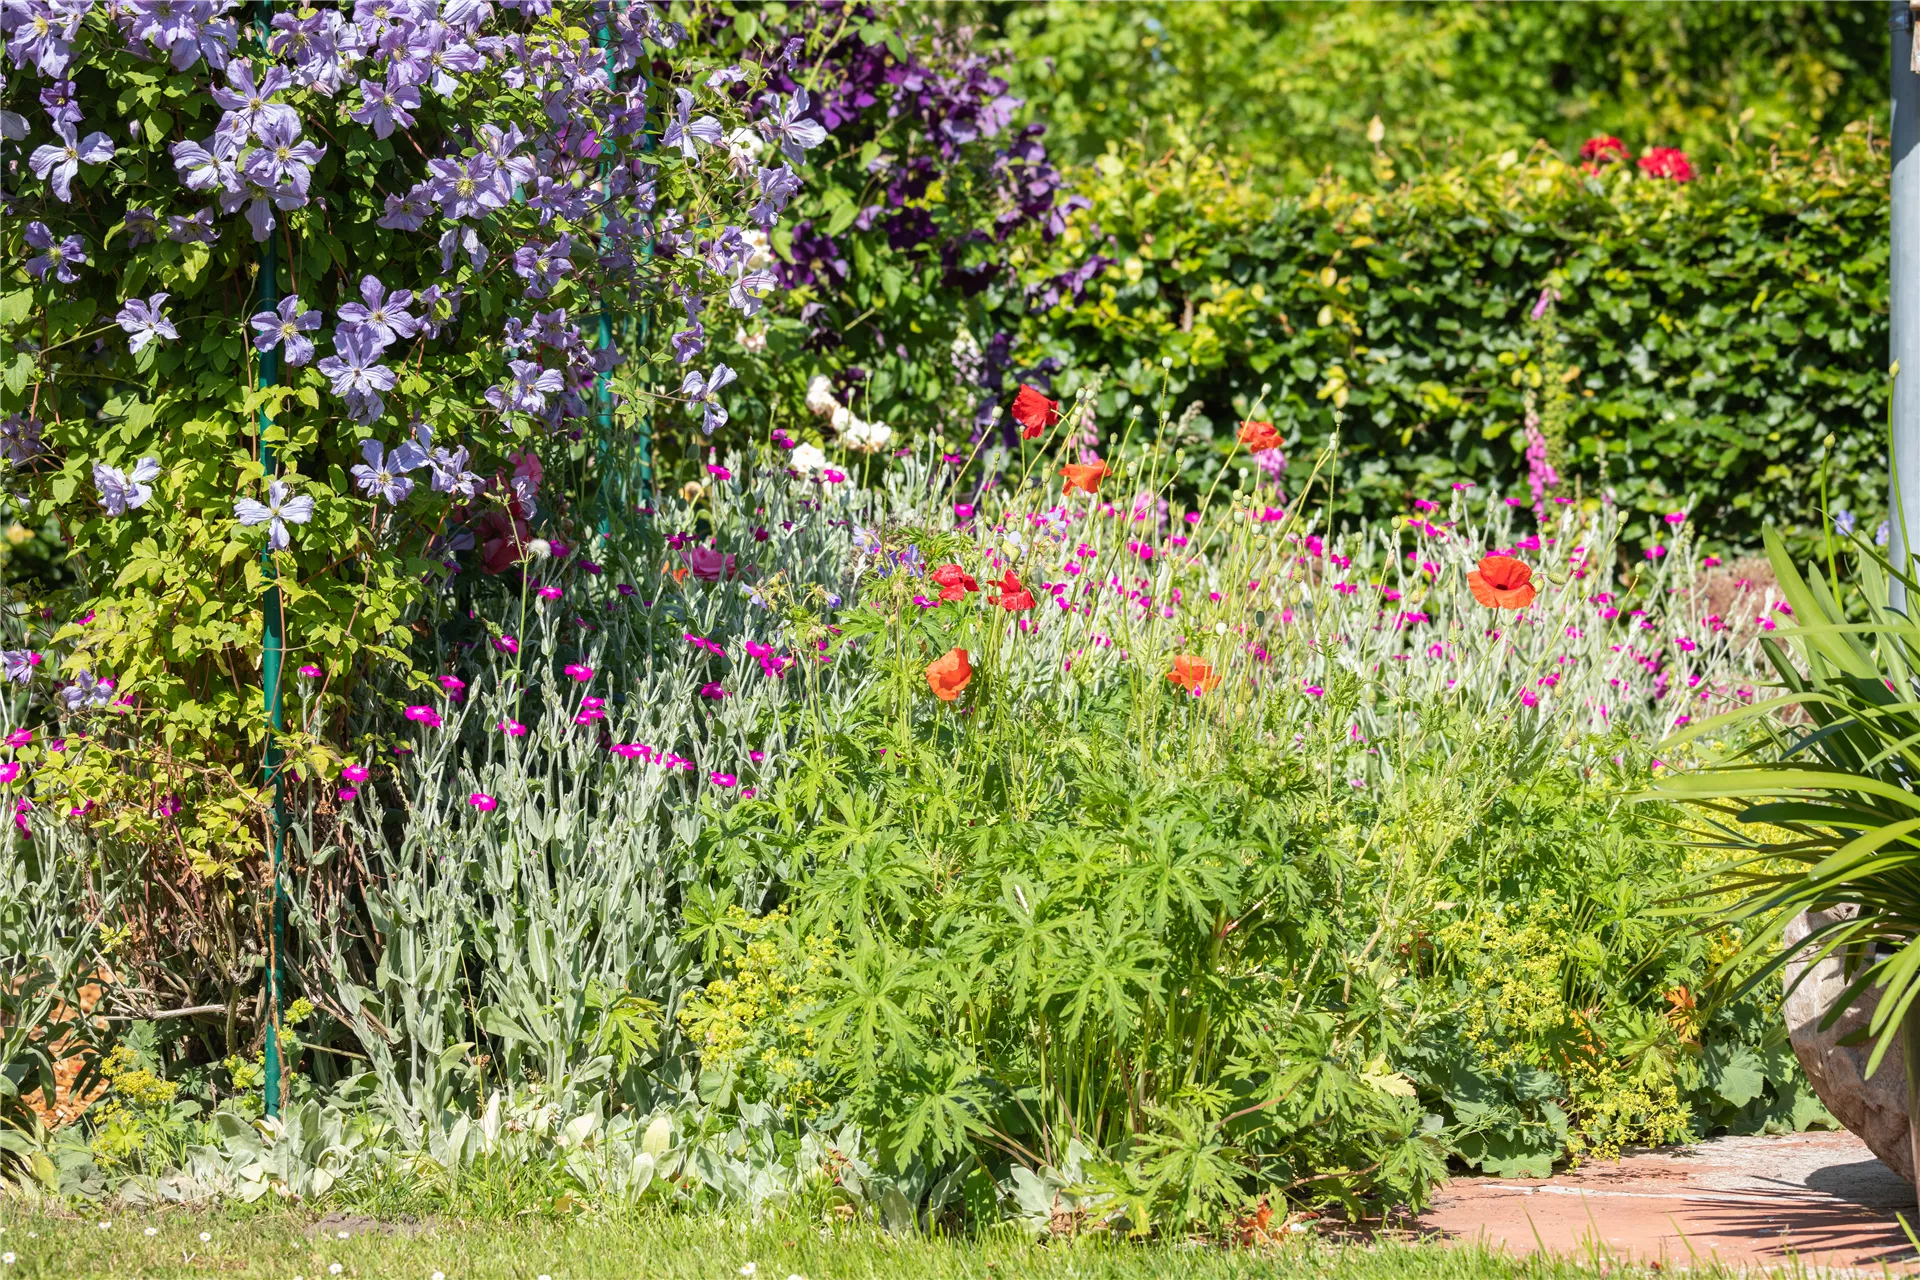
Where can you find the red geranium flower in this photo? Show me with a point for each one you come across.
(1603, 150)
(1501, 582)
(1259, 436)
(1667, 162)
(1034, 412)
(1012, 594)
(948, 674)
(954, 582)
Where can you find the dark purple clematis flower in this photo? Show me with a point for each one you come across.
(384, 315)
(288, 325)
(386, 106)
(145, 321)
(357, 373)
(60, 165)
(19, 438)
(58, 256)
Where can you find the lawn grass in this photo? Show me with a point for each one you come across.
(284, 1245)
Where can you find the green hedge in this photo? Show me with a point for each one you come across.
(1706, 339)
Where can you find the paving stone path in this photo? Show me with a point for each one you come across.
(1818, 1199)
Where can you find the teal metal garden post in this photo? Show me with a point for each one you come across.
(1903, 511)
(272, 657)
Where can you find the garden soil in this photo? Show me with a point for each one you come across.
(1818, 1199)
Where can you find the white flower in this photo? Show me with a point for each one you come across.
(743, 150)
(754, 340)
(538, 549)
(762, 256)
(867, 437)
(334, 1269)
(820, 395)
(808, 460)
(6, 1258)
(151, 1231)
(749, 1269)
(206, 1237)
(437, 1276)
(840, 418)
(105, 1225)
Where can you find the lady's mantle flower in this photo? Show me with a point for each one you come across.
(288, 325)
(121, 491)
(146, 321)
(277, 512)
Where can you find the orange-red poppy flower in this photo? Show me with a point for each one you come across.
(1084, 476)
(948, 674)
(1034, 412)
(1012, 594)
(1259, 436)
(954, 582)
(1501, 582)
(1192, 674)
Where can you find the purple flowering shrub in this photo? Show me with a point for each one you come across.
(896, 270)
(468, 208)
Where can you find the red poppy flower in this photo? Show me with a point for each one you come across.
(1501, 582)
(1084, 476)
(1034, 412)
(1012, 594)
(1259, 436)
(948, 674)
(1667, 162)
(1192, 674)
(954, 582)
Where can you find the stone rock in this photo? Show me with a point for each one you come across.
(1875, 1109)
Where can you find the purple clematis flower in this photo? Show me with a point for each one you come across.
(186, 31)
(748, 292)
(58, 256)
(458, 238)
(42, 34)
(383, 476)
(60, 165)
(777, 187)
(145, 321)
(198, 229)
(468, 188)
(386, 106)
(683, 133)
(357, 373)
(794, 135)
(408, 212)
(384, 315)
(527, 393)
(289, 325)
(282, 159)
(209, 166)
(61, 104)
(277, 512)
(702, 392)
(688, 343)
(450, 474)
(249, 109)
(121, 491)
(542, 265)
